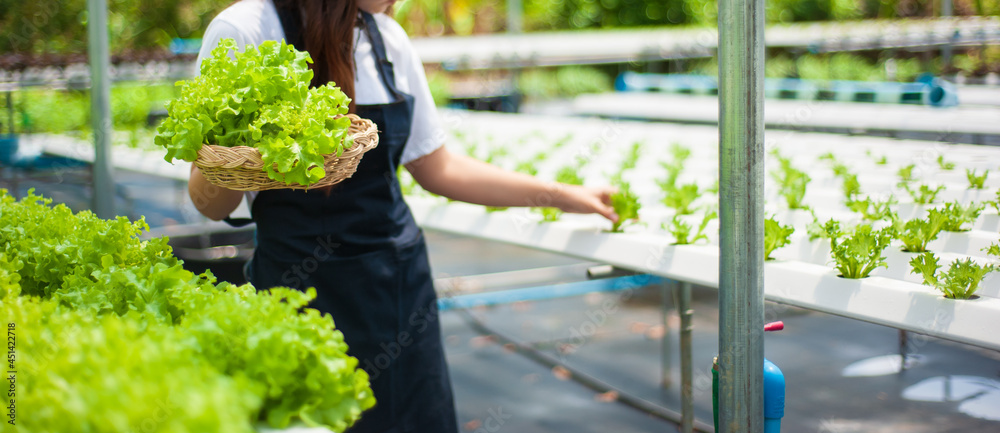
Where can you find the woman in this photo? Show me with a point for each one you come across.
(356, 242)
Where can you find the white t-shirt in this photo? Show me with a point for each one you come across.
(256, 21)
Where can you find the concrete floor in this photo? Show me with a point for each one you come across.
(840, 373)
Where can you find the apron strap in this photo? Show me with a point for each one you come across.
(381, 60)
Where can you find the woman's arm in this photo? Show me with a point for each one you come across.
(462, 178)
(214, 202)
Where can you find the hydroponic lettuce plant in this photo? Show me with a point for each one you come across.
(775, 236)
(945, 165)
(976, 181)
(906, 173)
(955, 216)
(284, 361)
(851, 188)
(626, 205)
(260, 98)
(960, 281)
(993, 250)
(791, 182)
(680, 198)
(858, 252)
(681, 230)
(923, 194)
(632, 157)
(873, 209)
(916, 233)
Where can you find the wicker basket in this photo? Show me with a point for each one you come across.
(241, 168)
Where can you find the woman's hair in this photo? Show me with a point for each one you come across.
(326, 30)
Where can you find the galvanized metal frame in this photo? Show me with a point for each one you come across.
(100, 107)
(741, 215)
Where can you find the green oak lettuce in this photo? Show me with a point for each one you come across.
(259, 97)
(261, 354)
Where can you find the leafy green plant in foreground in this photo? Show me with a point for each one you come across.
(260, 98)
(976, 181)
(626, 205)
(287, 362)
(960, 281)
(681, 230)
(775, 236)
(859, 251)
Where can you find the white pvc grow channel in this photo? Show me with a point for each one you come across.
(802, 275)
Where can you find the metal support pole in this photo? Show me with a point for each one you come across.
(665, 364)
(904, 343)
(100, 107)
(515, 16)
(946, 49)
(741, 221)
(687, 371)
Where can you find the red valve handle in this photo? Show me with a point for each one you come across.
(774, 326)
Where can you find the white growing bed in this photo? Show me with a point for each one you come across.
(802, 274)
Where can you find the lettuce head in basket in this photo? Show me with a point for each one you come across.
(260, 98)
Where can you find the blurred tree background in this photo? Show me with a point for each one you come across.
(59, 26)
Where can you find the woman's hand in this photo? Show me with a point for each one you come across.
(581, 199)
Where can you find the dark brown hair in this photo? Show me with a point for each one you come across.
(326, 30)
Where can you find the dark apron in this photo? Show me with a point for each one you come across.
(361, 249)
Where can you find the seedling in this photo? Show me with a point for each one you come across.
(924, 194)
(680, 198)
(917, 233)
(976, 181)
(626, 205)
(549, 214)
(883, 160)
(960, 281)
(791, 182)
(851, 188)
(955, 215)
(569, 175)
(841, 170)
(906, 173)
(679, 155)
(827, 157)
(996, 203)
(859, 252)
(491, 209)
(527, 167)
(775, 236)
(945, 165)
(633, 156)
(993, 250)
(682, 230)
(495, 154)
(828, 230)
(562, 141)
(873, 210)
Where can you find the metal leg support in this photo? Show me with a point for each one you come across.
(665, 297)
(687, 395)
(904, 342)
